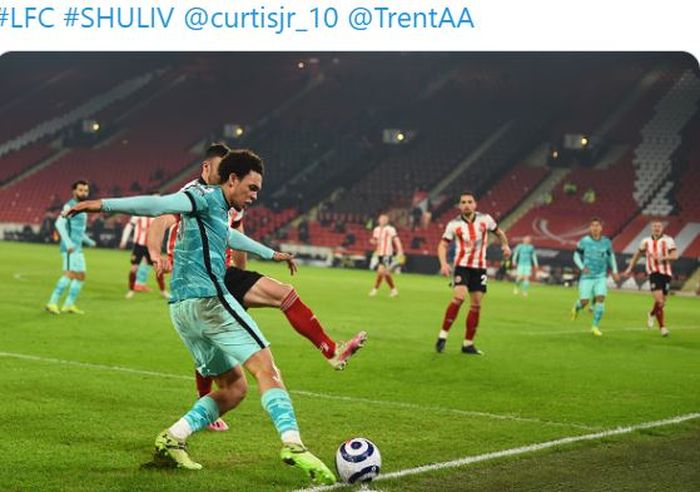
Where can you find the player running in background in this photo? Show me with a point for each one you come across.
(72, 233)
(140, 226)
(525, 259)
(252, 289)
(594, 255)
(385, 239)
(220, 335)
(660, 250)
(470, 231)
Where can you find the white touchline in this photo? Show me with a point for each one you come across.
(520, 450)
(414, 406)
(457, 411)
(585, 331)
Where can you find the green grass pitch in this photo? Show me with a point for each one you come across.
(73, 416)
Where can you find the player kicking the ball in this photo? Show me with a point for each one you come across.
(252, 289)
(660, 250)
(470, 231)
(219, 334)
(593, 256)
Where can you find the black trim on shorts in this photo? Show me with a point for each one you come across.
(219, 293)
(238, 282)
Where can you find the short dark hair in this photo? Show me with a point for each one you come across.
(240, 162)
(80, 182)
(470, 193)
(597, 219)
(217, 149)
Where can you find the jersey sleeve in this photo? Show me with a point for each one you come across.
(393, 232)
(449, 233)
(643, 245)
(671, 243)
(491, 223)
(375, 233)
(153, 206)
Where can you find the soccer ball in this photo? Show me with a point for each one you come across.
(358, 460)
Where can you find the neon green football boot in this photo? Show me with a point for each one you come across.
(596, 331)
(172, 453)
(72, 309)
(298, 456)
(52, 308)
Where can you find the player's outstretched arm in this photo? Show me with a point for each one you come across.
(503, 239)
(240, 242)
(240, 259)
(146, 205)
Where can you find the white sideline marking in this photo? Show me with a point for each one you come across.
(414, 406)
(20, 277)
(471, 413)
(520, 450)
(586, 331)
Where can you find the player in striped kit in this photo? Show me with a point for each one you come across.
(470, 231)
(139, 226)
(385, 239)
(660, 251)
(252, 289)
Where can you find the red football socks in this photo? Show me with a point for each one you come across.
(451, 313)
(305, 323)
(472, 322)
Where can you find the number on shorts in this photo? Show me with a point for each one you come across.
(484, 278)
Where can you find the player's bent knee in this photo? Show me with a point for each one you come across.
(458, 300)
(284, 291)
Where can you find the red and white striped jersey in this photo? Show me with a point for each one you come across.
(656, 248)
(140, 226)
(384, 235)
(235, 218)
(471, 238)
